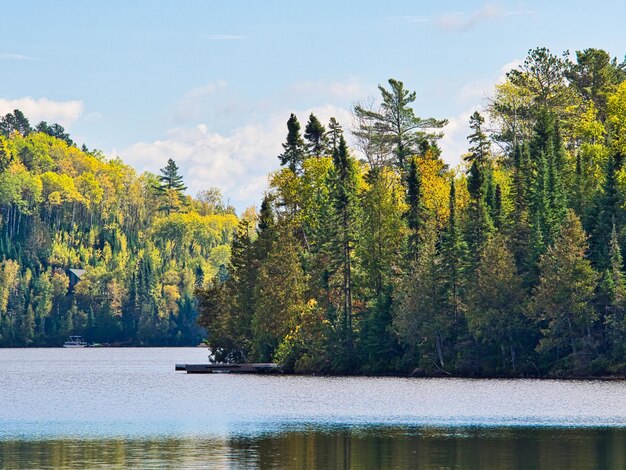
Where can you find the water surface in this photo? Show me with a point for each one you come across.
(71, 408)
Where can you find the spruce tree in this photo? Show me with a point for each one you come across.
(495, 302)
(612, 300)
(452, 275)
(315, 136)
(293, 148)
(344, 201)
(414, 214)
(562, 299)
(479, 223)
(608, 214)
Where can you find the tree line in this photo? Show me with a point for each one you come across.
(383, 259)
(140, 245)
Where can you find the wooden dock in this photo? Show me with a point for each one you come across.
(246, 368)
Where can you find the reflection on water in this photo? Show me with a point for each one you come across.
(127, 408)
(509, 448)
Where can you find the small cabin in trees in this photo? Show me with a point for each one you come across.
(75, 276)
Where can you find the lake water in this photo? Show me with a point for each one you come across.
(97, 408)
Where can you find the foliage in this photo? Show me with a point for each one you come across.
(62, 208)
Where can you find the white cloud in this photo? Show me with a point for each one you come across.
(16, 57)
(461, 21)
(194, 102)
(418, 19)
(237, 162)
(344, 90)
(43, 109)
(454, 142)
(464, 21)
(225, 37)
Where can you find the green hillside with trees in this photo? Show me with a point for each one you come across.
(139, 245)
(389, 261)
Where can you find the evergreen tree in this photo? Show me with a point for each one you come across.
(414, 214)
(170, 188)
(396, 123)
(333, 135)
(278, 295)
(293, 148)
(479, 223)
(612, 300)
(15, 122)
(480, 145)
(494, 311)
(608, 215)
(55, 130)
(315, 135)
(521, 195)
(417, 313)
(452, 274)
(562, 300)
(344, 201)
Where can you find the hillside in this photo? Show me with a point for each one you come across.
(143, 245)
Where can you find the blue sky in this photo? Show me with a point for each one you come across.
(211, 83)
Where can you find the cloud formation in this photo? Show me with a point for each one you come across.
(225, 37)
(345, 90)
(16, 57)
(465, 21)
(237, 162)
(43, 109)
(194, 102)
(473, 96)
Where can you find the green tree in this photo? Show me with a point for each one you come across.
(495, 305)
(396, 124)
(170, 188)
(562, 300)
(343, 197)
(315, 136)
(415, 213)
(480, 146)
(293, 148)
(15, 122)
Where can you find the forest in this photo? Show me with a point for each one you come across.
(382, 259)
(139, 244)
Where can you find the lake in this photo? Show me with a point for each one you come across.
(126, 407)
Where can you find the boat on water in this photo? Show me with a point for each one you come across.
(75, 342)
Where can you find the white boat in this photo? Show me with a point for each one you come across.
(75, 342)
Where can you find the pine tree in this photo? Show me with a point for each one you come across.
(15, 122)
(293, 148)
(396, 123)
(170, 188)
(315, 135)
(480, 146)
(333, 135)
